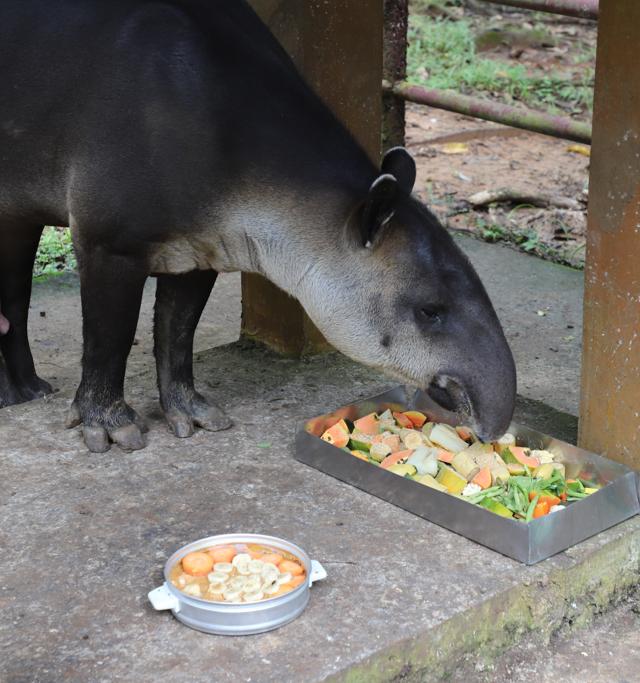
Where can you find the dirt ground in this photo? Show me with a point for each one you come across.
(459, 156)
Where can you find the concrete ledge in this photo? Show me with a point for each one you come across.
(564, 598)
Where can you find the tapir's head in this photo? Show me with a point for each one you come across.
(403, 298)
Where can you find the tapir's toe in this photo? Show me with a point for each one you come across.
(101, 426)
(189, 410)
(96, 439)
(129, 437)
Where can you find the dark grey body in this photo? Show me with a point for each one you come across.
(178, 140)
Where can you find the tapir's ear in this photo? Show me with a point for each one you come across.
(400, 164)
(379, 207)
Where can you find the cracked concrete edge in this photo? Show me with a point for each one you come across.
(565, 600)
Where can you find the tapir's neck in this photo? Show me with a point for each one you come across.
(282, 231)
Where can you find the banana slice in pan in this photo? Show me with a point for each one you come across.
(232, 596)
(224, 567)
(253, 596)
(252, 584)
(217, 577)
(270, 588)
(237, 583)
(255, 566)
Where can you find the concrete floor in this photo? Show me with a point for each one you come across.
(84, 537)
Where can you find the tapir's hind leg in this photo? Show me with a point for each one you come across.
(180, 300)
(111, 292)
(19, 381)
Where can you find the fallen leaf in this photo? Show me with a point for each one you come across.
(580, 149)
(455, 148)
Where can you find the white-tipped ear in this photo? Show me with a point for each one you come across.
(379, 207)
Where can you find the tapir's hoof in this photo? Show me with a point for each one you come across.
(34, 388)
(192, 410)
(117, 424)
(12, 394)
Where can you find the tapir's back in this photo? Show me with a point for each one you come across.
(112, 97)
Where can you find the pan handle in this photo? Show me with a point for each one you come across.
(317, 573)
(162, 598)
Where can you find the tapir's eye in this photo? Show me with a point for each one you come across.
(429, 315)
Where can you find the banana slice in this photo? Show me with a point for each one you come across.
(270, 572)
(255, 566)
(271, 588)
(232, 596)
(217, 588)
(284, 578)
(253, 597)
(241, 558)
(193, 589)
(237, 583)
(217, 577)
(225, 567)
(243, 564)
(252, 583)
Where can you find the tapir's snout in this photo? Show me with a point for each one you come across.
(482, 394)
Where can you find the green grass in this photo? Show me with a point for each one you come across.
(530, 242)
(55, 252)
(442, 54)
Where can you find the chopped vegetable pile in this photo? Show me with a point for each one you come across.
(507, 479)
(237, 573)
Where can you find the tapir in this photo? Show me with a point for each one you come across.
(178, 141)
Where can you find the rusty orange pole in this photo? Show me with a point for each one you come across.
(338, 48)
(610, 407)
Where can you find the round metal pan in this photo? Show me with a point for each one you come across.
(234, 619)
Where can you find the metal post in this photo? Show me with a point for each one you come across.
(610, 407)
(396, 21)
(338, 48)
(585, 9)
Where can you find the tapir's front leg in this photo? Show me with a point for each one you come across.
(180, 300)
(111, 292)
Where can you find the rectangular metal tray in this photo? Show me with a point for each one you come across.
(527, 543)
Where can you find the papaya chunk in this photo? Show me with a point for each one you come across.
(367, 424)
(417, 418)
(338, 435)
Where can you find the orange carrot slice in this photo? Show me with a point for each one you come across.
(551, 500)
(290, 566)
(197, 564)
(222, 553)
(297, 580)
(273, 558)
(541, 509)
